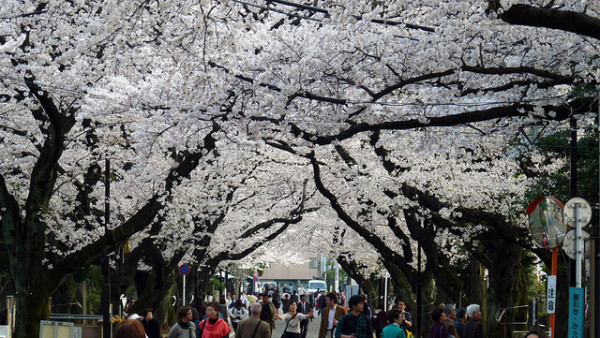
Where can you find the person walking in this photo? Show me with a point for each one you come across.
(304, 307)
(381, 320)
(368, 308)
(321, 301)
(292, 321)
(253, 327)
(285, 303)
(438, 330)
(330, 316)
(213, 326)
(129, 307)
(355, 324)
(473, 327)
(342, 297)
(450, 312)
(232, 302)
(151, 325)
(223, 309)
(269, 313)
(406, 317)
(237, 313)
(459, 322)
(184, 328)
(276, 297)
(393, 330)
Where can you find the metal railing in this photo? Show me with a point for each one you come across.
(502, 312)
(70, 316)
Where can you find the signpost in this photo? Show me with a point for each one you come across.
(184, 269)
(548, 230)
(576, 312)
(578, 213)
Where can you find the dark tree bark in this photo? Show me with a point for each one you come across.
(568, 21)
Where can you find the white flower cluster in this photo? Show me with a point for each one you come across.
(147, 85)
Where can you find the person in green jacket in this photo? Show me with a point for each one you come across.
(393, 330)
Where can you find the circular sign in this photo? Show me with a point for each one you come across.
(184, 269)
(255, 274)
(585, 211)
(255, 279)
(569, 243)
(546, 222)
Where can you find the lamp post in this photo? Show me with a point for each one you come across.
(106, 326)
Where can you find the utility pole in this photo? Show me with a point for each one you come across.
(106, 326)
(419, 302)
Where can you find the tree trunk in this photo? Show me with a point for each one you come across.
(82, 297)
(505, 289)
(562, 302)
(428, 294)
(64, 299)
(32, 306)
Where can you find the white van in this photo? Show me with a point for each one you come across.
(314, 285)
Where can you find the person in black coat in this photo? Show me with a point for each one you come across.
(473, 327)
(321, 301)
(304, 307)
(151, 325)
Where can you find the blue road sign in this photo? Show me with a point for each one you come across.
(576, 312)
(184, 269)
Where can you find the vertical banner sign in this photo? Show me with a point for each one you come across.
(551, 295)
(576, 312)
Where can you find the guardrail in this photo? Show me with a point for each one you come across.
(63, 316)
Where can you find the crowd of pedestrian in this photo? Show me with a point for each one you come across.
(252, 317)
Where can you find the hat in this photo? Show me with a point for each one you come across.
(135, 316)
(471, 309)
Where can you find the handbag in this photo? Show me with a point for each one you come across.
(288, 323)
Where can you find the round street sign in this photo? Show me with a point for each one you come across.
(255, 279)
(585, 211)
(255, 274)
(569, 243)
(184, 269)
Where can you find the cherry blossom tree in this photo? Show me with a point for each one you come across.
(159, 87)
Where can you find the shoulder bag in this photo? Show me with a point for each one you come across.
(288, 323)
(256, 328)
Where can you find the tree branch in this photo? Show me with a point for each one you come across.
(568, 21)
(558, 113)
(140, 219)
